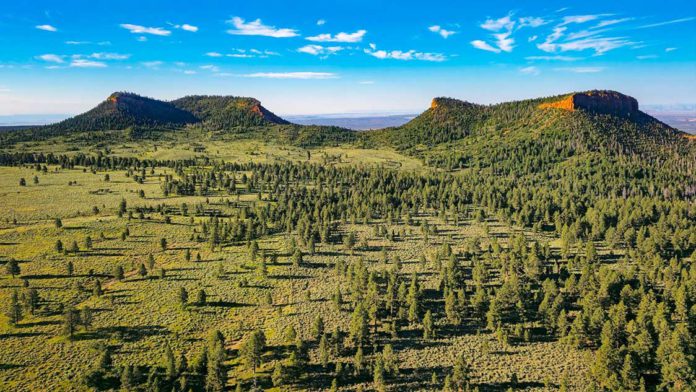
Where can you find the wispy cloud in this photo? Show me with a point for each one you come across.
(152, 64)
(366, 82)
(318, 50)
(256, 27)
(51, 58)
(503, 29)
(611, 22)
(647, 57)
(531, 70)
(100, 43)
(292, 75)
(209, 67)
(47, 27)
(505, 22)
(668, 22)
(670, 49)
(340, 37)
(109, 56)
(404, 55)
(600, 45)
(83, 63)
(579, 19)
(439, 30)
(244, 53)
(137, 29)
(321, 22)
(558, 41)
(483, 45)
(581, 69)
(553, 58)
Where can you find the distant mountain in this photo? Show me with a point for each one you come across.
(122, 110)
(355, 122)
(222, 112)
(614, 115)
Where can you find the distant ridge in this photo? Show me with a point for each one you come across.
(122, 110)
(220, 112)
(590, 118)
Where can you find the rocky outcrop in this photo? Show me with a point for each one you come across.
(597, 101)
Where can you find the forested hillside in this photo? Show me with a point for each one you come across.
(542, 245)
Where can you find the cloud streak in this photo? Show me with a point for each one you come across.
(318, 50)
(340, 37)
(292, 75)
(137, 29)
(404, 55)
(47, 27)
(668, 22)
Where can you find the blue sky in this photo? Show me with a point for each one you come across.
(309, 57)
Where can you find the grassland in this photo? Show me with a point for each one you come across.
(139, 316)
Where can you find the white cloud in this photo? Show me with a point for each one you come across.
(137, 29)
(152, 64)
(292, 75)
(553, 58)
(82, 63)
(366, 82)
(578, 19)
(47, 27)
(109, 56)
(340, 37)
(581, 69)
(532, 21)
(211, 68)
(256, 27)
(190, 72)
(483, 45)
(600, 45)
(142, 39)
(668, 22)
(51, 58)
(504, 41)
(505, 22)
(531, 70)
(244, 54)
(404, 55)
(321, 22)
(503, 29)
(647, 57)
(439, 30)
(318, 50)
(188, 27)
(611, 22)
(670, 49)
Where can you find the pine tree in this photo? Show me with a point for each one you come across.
(317, 327)
(428, 327)
(324, 351)
(70, 321)
(14, 309)
(12, 268)
(252, 348)
(378, 375)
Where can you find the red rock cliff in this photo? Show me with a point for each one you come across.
(605, 102)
